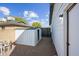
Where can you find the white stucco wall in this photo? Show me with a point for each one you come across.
(18, 33)
(58, 28)
(27, 37)
(74, 31)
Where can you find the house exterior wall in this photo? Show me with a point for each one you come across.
(73, 30)
(7, 34)
(57, 28)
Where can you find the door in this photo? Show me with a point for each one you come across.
(73, 30)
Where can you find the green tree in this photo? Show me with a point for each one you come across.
(36, 24)
(21, 20)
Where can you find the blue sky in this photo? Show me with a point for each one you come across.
(36, 12)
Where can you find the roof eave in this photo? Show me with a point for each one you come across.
(51, 13)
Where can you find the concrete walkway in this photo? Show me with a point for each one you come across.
(44, 48)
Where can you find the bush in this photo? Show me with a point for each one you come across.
(36, 24)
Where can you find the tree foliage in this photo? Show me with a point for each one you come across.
(20, 20)
(36, 24)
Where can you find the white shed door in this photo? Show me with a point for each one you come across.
(74, 31)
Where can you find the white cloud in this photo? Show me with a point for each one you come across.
(44, 20)
(47, 15)
(2, 19)
(10, 18)
(47, 20)
(5, 10)
(26, 13)
(45, 24)
(33, 14)
(30, 14)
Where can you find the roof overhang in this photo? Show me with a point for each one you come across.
(12, 24)
(51, 13)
